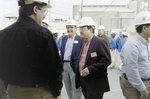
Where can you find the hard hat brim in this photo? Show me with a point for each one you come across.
(84, 25)
(30, 2)
(48, 6)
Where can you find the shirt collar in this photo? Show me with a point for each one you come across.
(89, 39)
(141, 39)
(111, 37)
(72, 37)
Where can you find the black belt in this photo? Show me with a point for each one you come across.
(125, 76)
(33, 85)
(66, 60)
(148, 79)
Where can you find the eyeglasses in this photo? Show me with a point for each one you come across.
(82, 29)
(44, 9)
(72, 27)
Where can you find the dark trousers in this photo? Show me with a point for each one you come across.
(86, 93)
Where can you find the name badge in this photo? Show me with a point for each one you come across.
(76, 42)
(94, 54)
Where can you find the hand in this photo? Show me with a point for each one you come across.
(112, 49)
(85, 72)
(144, 94)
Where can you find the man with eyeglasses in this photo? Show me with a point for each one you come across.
(70, 49)
(94, 59)
(29, 59)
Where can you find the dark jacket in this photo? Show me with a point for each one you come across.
(97, 81)
(75, 50)
(105, 37)
(29, 56)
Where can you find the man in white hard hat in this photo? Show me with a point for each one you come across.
(118, 60)
(29, 59)
(55, 33)
(122, 41)
(101, 33)
(113, 49)
(135, 56)
(70, 50)
(94, 59)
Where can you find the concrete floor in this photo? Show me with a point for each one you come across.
(115, 90)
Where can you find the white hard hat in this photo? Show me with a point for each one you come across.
(101, 27)
(142, 18)
(46, 20)
(44, 2)
(126, 34)
(71, 22)
(86, 21)
(113, 32)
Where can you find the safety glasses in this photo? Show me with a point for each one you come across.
(44, 9)
(72, 27)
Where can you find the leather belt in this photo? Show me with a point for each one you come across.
(66, 60)
(148, 79)
(125, 76)
(32, 85)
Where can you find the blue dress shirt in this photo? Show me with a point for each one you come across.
(121, 43)
(112, 43)
(117, 41)
(135, 56)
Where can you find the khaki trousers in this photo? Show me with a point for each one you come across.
(130, 92)
(17, 92)
(3, 90)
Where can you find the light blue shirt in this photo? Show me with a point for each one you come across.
(135, 56)
(68, 48)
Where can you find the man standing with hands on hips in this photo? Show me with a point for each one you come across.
(135, 56)
(94, 59)
(70, 50)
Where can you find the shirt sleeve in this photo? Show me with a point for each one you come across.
(51, 63)
(110, 43)
(58, 43)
